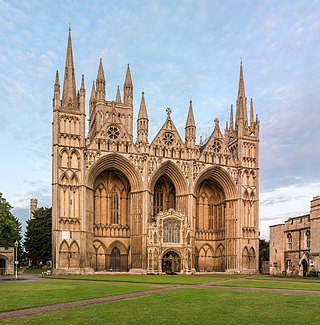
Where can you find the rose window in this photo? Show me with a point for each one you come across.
(216, 146)
(168, 139)
(113, 133)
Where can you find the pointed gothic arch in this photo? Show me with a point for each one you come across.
(172, 171)
(221, 177)
(99, 256)
(205, 261)
(115, 161)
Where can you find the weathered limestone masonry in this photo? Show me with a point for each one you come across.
(295, 245)
(169, 205)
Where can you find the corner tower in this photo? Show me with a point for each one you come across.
(68, 191)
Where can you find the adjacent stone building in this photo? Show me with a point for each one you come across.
(124, 202)
(295, 245)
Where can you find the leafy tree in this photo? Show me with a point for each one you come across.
(10, 226)
(37, 242)
(264, 250)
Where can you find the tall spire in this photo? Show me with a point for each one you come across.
(69, 96)
(128, 88)
(143, 109)
(241, 112)
(231, 118)
(251, 115)
(101, 83)
(190, 117)
(118, 96)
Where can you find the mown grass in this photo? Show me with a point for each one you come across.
(191, 306)
(31, 270)
(284, 279)
(294, 284)
(18, 295)
(156, 279)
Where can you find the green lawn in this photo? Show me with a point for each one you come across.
(294, 284)
(18, 295)
(156, 279)
(191, 306)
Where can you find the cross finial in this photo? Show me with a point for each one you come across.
(169, 111)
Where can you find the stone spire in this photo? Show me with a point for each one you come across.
(251, 115)
(142, 122)
(56, 93)
(231, 118)
(241, 113)
(190, 129)
(100, 83)
(82, 96)
(92, 99)
(190, 117)
(128, 88)
(69, 96)
(118, 96)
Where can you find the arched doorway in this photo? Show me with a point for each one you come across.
(171, 262)
(115, 260)
(304, 267)
(2, 265)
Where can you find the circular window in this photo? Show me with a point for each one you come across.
(113, 133)
(168, 139)
(216, 146)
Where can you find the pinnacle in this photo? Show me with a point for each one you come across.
(190, 118)
(143, 109)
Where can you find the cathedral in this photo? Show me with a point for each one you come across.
(123, 202)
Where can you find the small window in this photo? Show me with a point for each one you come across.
(289, 237)
(308, 239)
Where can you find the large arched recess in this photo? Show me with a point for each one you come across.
(220, 176)
(172, 171)
(117, 162)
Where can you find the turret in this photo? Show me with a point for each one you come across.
(56, 93)
(82, 97)
(241, 121)
(118, 96)
(100, 84)
(190, 129)
(142, 122)
(69, 96)
(128, 88)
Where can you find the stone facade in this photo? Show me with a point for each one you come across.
(7, 260)
(169, 205)
(295, 245)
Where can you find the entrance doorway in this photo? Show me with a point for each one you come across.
(115, 260)
(171, 262)
(2, 266)
(304, 267)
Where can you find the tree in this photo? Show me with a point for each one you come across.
(264, 250)
(37, 242)
(10, 226)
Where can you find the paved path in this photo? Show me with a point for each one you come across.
(169, 287)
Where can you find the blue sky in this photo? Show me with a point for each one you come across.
(177, 50)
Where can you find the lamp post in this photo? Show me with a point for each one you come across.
(16, 259)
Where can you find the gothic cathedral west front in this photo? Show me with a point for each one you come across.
(122, 203)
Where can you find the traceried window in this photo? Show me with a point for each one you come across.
(114, 207)
(168, 139)
(113, 133)
(216, 146)
(308, 239)
(289, 238)
(171, 231)
(158, 199)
